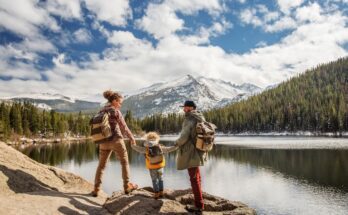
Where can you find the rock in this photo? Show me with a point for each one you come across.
(28, 187)
(141, 202)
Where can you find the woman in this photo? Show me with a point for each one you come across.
(116, 143)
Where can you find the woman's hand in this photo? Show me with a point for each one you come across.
(132, 141)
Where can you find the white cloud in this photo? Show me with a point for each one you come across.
(190, 7)
(25, 19)
(273, 21)
(204, 33)
(287, 5)
(161, 20)
(66, 9)
(38, 44)
(280, 25)
(116, 12)
(82, 36)
(310, 13)
(249, 16)
(258, 16)
(127, 45)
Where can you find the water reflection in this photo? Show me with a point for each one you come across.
(273, 181)
(326, 167)
(322, 166)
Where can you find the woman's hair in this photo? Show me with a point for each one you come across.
(152, 136)
(110, 95)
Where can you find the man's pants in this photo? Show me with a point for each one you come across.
(157, 179)
(195, 178)
(105, 150)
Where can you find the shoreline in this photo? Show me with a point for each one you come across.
(33, 141)
(275, 134)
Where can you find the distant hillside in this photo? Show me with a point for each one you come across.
(316, 100)
(55, 102)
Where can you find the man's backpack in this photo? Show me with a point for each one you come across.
(100, 127)
(205, 139)
(155, 154)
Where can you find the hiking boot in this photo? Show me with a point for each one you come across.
(130, 187)
(94, 193)
(194, 209)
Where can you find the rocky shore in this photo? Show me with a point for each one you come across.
(30, 141)
(28, 187)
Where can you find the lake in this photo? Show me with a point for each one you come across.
(274, 175)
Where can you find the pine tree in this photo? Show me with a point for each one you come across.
(16, 118)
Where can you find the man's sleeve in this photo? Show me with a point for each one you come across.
(184, 134)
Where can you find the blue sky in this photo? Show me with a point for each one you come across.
(81, 47)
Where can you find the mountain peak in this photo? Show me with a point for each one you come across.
(166, 97)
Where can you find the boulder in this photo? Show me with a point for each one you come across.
(141, 202)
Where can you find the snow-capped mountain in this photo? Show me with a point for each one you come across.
(167, 97)
(55, 101)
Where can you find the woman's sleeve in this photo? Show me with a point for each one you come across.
(123, 126)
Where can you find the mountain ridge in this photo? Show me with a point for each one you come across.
(166, 97)
(163, 97)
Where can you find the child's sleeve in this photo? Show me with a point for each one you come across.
(139, 149)
(167, 149)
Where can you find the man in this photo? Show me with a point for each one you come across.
(188, 157)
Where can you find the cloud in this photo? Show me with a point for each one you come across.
(115, 12)
(161, 21)
(213, 7)
(309, 13)
(24, 20)
(259, 16)
(286, 5)
(205, 33)
(248, 16)
(82, 36)
(283, 24)
(67, 9)
(127, 45)
(273, 21)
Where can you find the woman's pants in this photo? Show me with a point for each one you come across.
(105, 149)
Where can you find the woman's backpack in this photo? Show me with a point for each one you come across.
(100, 127)
(205, 139)
(155, 154)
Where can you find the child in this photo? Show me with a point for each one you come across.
(154, 160)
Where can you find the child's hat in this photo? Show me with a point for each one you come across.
(150, 143)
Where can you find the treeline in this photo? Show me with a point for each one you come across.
(30, 121)
(168, 124)
(315, 101)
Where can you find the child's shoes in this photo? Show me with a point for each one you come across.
(156, 195)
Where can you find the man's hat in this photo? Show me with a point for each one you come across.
(189, 103)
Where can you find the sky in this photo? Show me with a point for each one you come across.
(80, 48)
